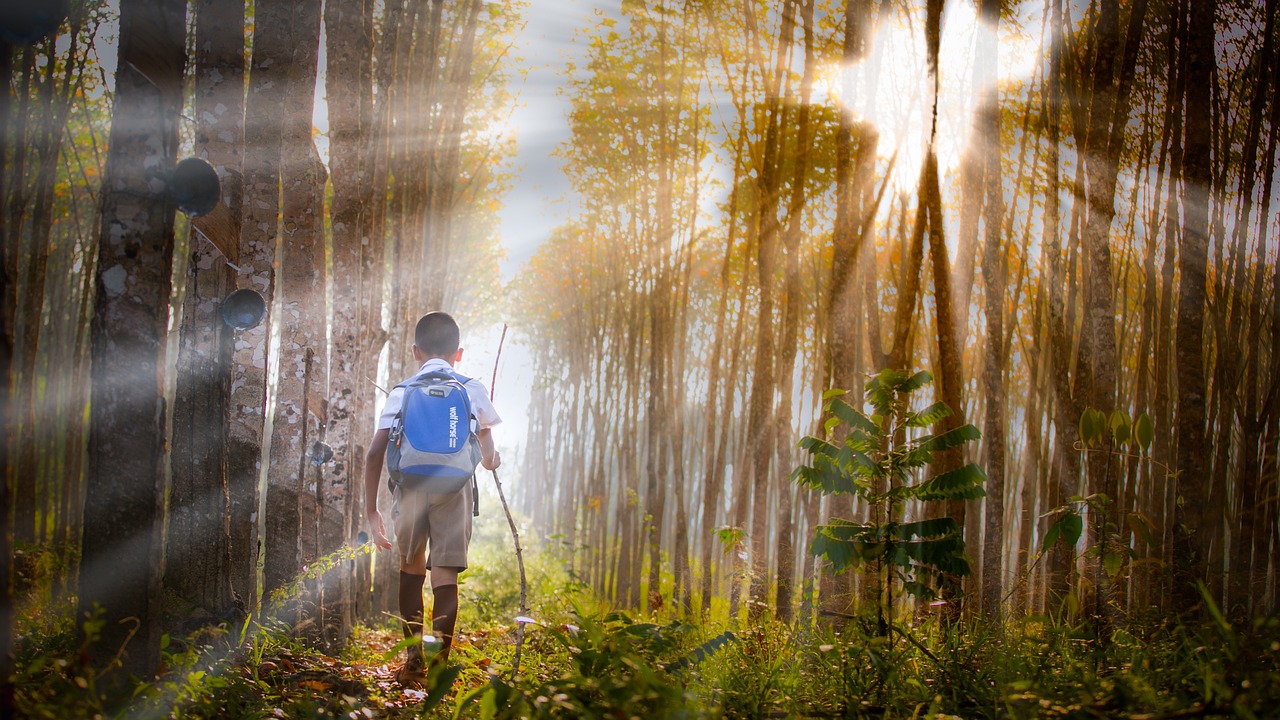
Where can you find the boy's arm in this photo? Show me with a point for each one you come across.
(489, 456)
(372, 479)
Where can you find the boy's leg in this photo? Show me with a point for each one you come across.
(412, 580)
(411, 539)
(450, 537)
(444, 607)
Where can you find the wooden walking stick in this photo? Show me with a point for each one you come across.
(515, 534)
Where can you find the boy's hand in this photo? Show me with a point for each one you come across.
(380, 539)
(492, 463)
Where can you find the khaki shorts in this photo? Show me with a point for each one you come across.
(441, 521)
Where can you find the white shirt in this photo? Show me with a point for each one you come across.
(481, 406)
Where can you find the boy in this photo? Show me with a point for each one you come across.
(422, 518)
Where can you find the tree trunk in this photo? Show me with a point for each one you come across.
(987, 132)
(352, 137)
(1189, 560)
(301, 388)
(268, 77)
(122, 545)
(791, 298)
(1247, 321)
(760, 422)
(847, 232)
(198, 562)
(6, 418)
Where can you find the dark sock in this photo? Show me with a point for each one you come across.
(444, 615)
(411, 608)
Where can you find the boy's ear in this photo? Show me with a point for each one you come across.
(457, 357)
(418, 355)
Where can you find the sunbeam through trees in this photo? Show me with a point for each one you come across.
(1063, 212)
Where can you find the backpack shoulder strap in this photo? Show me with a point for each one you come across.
(423, 378)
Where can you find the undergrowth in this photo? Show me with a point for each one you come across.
(584, 659)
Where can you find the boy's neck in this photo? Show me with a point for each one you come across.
(429, 358)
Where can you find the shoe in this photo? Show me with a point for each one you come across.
(413, 672)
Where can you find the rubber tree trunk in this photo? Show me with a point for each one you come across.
(257, 256)
(198, 558)
(122, 543)
(349, 82)
(301, 386)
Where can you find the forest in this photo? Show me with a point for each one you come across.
(886, 358)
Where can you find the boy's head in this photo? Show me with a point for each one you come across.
(437, 336)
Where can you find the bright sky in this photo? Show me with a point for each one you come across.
(539, 197)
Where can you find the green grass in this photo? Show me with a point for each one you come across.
(582, 659)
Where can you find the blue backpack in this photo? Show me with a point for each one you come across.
(432, 444)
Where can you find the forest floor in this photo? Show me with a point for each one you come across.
(616, 665)
(361, 680)
(584, 658)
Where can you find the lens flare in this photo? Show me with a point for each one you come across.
(891, 88)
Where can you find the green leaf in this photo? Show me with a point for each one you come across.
(1119, 425)
(915, 382)
(1112, 562)
(1145, 431)
(891, 379)
(729, 536)
(1069, 526)
(845, 543)
(1050, 536)
(949, 439)
(931, 528)
(929, 415)
(863, 465)
(1093, 424)
(443, 684)
(826, 476)
(832, 393)
(963, 483)
(830, 424)
(945, 555)
(1100, 428)
(880, 391)
(853, 418)
(1214, 611)
(818, 446)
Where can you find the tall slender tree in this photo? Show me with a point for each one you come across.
(987, 137)
(1188, 549)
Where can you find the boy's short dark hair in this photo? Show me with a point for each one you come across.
(437, 334)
